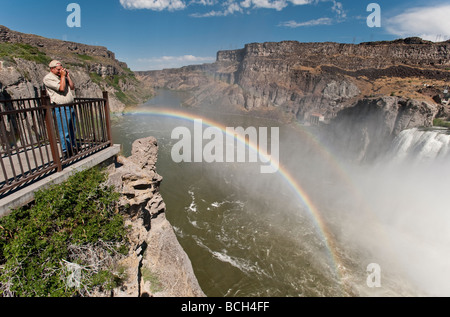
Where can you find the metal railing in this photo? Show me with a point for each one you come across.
(31, 131)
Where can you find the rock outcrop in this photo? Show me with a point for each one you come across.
(366, 130)
(68, 51)
(304, 78)
(157, 265)
(93, 69)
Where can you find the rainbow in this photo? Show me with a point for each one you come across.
(283, 172)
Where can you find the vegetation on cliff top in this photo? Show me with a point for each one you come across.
(9, 51)
(116, 81)
(65, 243)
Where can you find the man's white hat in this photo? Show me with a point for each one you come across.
(54, 63)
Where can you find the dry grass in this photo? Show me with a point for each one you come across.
(401, 87)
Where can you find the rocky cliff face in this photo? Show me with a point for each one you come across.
(302, 78)
(24, 63)
(67, 51)
(374, 90)
(366, 130)
(156, 265)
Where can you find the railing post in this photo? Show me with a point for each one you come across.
(108, 117)
(50, 127)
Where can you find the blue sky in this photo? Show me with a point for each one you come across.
(156, 34)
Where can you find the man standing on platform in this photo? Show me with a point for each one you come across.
(59, 88)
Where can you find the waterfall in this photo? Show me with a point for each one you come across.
(418, 145)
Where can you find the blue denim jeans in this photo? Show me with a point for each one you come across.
(65, 117)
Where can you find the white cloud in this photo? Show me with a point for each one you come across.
(157, 63)
(294, 24)
(233, 7)
(230, 7)
(225, 8)
(266, 4)
(156, 5)
(204, 2)
(272, 4)
(429, 23)
(338, 8)
(183, 58)
(301, 2)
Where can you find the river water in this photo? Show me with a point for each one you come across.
(303, 231)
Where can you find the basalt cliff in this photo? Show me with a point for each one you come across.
(156, 264)
(24, 62)
(398, 84)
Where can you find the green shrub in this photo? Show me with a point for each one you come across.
(10, 50)
(64, 223)
(96, 78)
(441, 123)
(114, 81)
(152, 278)
(85, 57)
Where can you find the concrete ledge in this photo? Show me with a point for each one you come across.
(26, 195)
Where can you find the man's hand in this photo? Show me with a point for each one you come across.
(63, 73)
(69, 80)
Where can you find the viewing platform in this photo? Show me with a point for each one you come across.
(31, 153)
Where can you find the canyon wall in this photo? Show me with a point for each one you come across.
(304, 78)
(364, 91)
